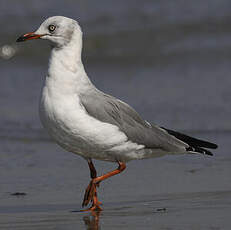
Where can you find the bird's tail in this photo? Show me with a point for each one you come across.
(195, 145)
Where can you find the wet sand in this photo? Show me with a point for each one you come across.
(205, 210)
(172, 192)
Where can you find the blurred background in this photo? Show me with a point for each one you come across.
(170, 60)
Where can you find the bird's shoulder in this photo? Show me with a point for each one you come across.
(107, 108)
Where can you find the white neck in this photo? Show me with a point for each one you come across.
(66, 68)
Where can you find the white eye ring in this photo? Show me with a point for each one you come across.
(51, 28)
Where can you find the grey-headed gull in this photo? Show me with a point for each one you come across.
(86, 121)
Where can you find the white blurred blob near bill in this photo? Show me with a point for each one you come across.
(7, 51)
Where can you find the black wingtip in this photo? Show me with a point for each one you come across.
(214, 146)
(191, 141)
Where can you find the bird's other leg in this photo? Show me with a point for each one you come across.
(93, 172)
(90, 190)
(90, 193)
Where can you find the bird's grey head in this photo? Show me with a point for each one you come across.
(57, 29)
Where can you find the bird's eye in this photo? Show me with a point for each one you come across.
(51, 28)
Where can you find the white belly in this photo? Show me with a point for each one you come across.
(71, 127)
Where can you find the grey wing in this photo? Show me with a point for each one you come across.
(111, 110)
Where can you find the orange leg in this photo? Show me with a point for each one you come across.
(91, 193)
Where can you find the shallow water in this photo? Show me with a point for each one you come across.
(171, 62)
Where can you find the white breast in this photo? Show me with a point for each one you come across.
(71, 127)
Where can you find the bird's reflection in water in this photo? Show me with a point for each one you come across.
(92, 221)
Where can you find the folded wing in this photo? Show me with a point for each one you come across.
(111, 110)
